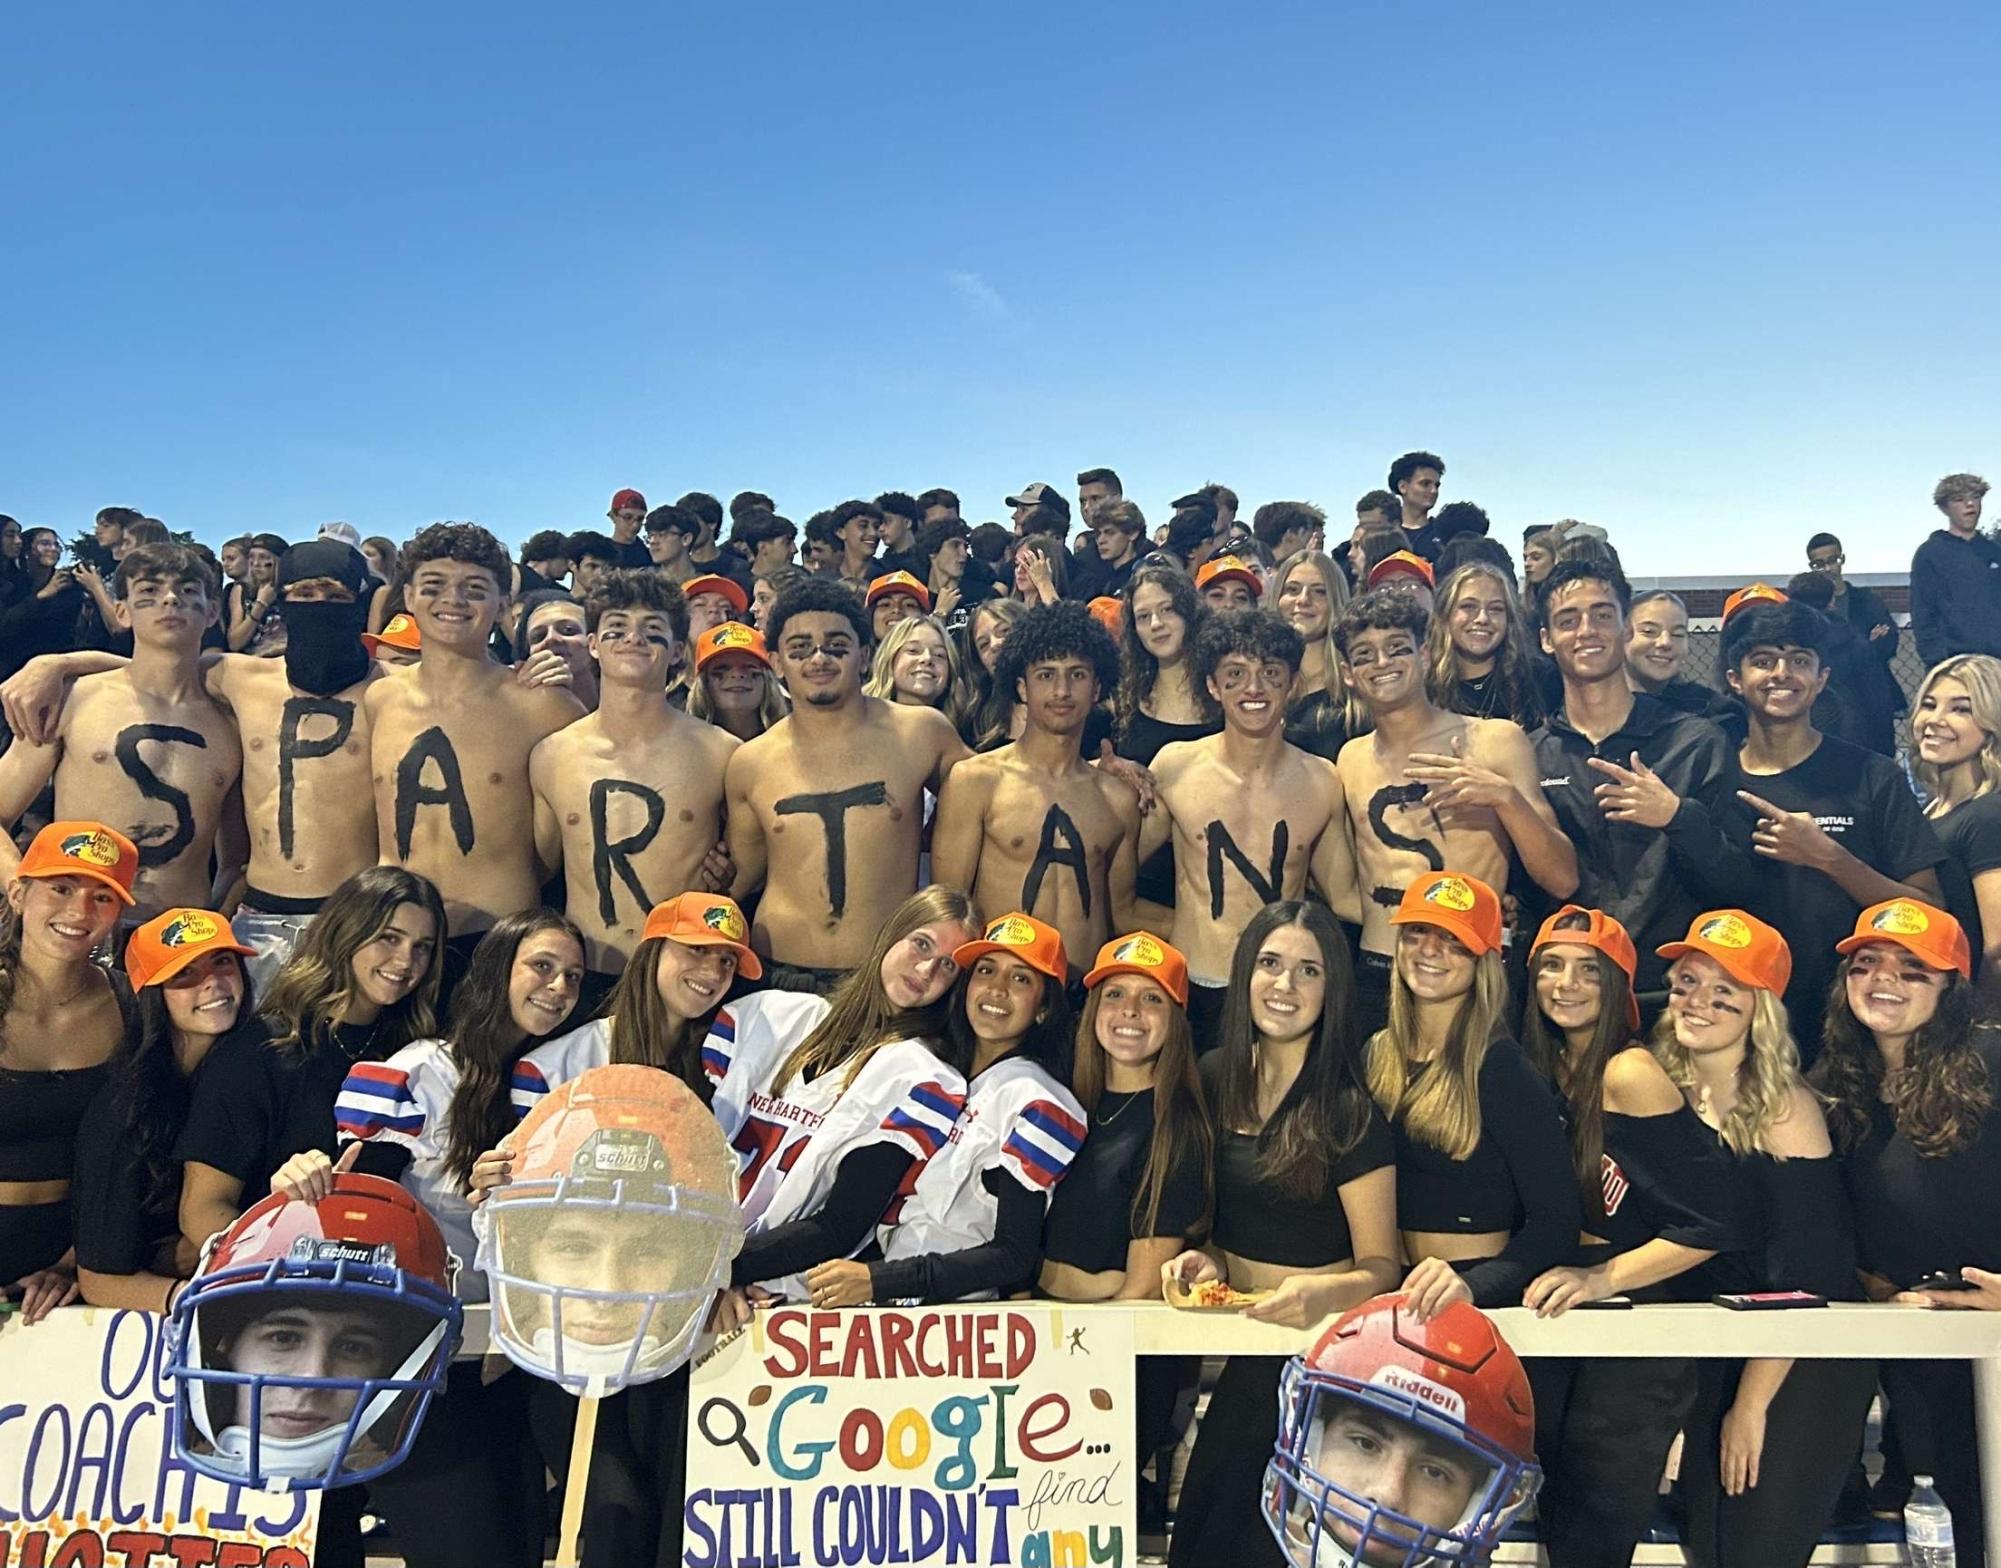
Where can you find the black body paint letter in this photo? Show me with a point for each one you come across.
(1385, 800)
(1222, 846)
(610, 860)
(1061, 845)
(153, 849)
(292, 751)
(450, 791)
(832, 809)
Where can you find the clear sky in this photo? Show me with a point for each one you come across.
(1712, 276)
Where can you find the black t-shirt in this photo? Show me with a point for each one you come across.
(256, 1105)
(1091, 1219)
(1518, 1179)
(1317, 724)
(1916, 1215)
(1863, 803)
(1256, 1220)
(1971, 836)
(634, 553)
(124, 1219)
(1665, 1178)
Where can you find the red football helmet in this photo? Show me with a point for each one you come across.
(617, 1228)
(308, 1345)
(1401, 1444)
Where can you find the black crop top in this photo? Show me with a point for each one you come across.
(1916, 1215)
(1803, 1226)
(1253, 1220)
(1518, 1179)
(39, 1116)
(1666, 1179)
(1091, 1215)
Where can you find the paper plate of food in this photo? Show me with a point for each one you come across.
(1211, 1295)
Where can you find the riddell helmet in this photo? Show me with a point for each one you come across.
(615, 1231)
(1401, 1444)
(307, 1347)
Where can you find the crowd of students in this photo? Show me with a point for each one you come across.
(1094, 923)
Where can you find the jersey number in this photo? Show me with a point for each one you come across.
(755, 1143)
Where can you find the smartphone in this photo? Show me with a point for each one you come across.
(1609, 1304)
(1769, 1300)
(1944, 1282)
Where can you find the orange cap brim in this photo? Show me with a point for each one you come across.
(1736, 962)
(181, 957)
(1460, 925)
(1106, 971)
(1928, 957)
(1045, 965)
(748, 964)
(72, 868)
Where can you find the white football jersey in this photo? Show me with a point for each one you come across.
(1017, 1117)
(790, 1145)
(406, 1101)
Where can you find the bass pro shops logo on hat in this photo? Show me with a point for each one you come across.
(1902, 919)
(189, 929)
(1013, 931)
(1726, 931)
(1451, 893)
(1139, 950)
(93, 849)
(731, 634)
(723, 919)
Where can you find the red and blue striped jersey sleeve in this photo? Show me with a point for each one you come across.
(923, 1117)
(1039, 1147)
(719, 1046)
(375, 1102)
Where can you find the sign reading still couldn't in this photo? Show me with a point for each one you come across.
(994, 1434)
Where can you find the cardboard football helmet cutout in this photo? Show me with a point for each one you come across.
(308, 1346)
(1401, 1444)
(606, 1248)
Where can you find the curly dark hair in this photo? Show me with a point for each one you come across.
(1381, 610)
(901, 504)
(548, 545)
(1258, 633)
(1407, 466)
(1769, 625)
(467, 543)
(590, 545)
(848, 511)
(1141, 671)
(1057, 631)
(818, 595)
(1939, 1099)
(637, 590)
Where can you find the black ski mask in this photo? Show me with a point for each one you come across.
(323, 649)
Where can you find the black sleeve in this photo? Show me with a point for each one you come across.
(1978, 837)
(1008, 1260)
(234, 1112)
(1184, 1197)
(1927, 624)
(1518, 1111)
(1697, 839)
(107, 1196)
(1875, 614)
(864, 1182)
(1909, 844)
(1375, 1149)
(1689, 1189)
(379, 1157)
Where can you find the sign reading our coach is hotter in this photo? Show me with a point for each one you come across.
(992, 1433)
(87, 1474)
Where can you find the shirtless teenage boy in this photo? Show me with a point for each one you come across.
(1430, 790)
(1032, 826)
(1251, 815)
(142, 748)
(630, 798)
(450, 739)
(826, 808)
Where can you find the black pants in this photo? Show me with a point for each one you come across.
(1220, 1518)
(470, 1494)
(1932, 1403)
(1603, 1430)
(1812, 1431)
(639, 1469)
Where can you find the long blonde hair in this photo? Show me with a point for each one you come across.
(955, 701)
(1441, 1104)
(1765, 1082)
(1980, 674)
(861, 1019)
(1337, 601)
(1513, 664)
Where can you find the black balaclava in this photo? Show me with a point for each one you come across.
(323, 649)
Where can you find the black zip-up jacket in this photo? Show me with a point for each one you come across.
(1654, 882)
(1956, 596)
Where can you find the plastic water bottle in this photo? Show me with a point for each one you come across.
(1928, 1527)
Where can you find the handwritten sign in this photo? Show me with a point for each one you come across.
(87, 1473)
(997, 1433)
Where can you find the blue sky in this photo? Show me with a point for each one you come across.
(1711, 276)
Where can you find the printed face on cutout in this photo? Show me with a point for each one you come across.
(606, 1252)
(1288, 988)
(542, 986)
(1383, 1459)
(205, 997)
(1890, 991)
(919, 969)
(393, 963)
